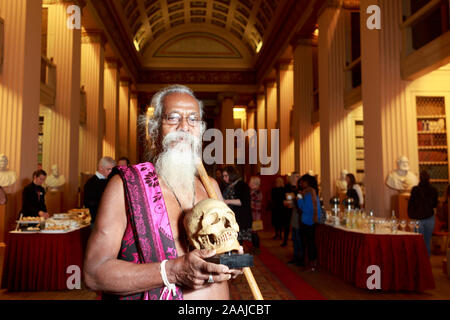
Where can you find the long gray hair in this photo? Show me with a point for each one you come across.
(153, 124)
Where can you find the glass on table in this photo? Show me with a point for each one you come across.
(403, 224)
(417, 226)
(412, 225)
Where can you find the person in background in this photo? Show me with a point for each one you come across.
(256, 206)
(354, 191)
(123, 161)
(421, 205)
(219, 179)
(33, 196)
(289, 204)
(309, 204)
(277, 206)
(443, 210)
(237, 196)
(94, 187)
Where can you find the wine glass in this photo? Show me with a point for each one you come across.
(403, 224)
(412, 225)
(417, 226)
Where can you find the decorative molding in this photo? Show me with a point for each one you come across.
(105, 11)
(198, 76)
(298, 16)
(93, 36)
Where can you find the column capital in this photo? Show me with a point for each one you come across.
(134, 95)
(113, 63)
(270, 82)
(125, 81)
(93, 36)
(304, 39)
(283, 64)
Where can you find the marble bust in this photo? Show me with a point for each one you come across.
(341, 183)
(55, 180)
(402, 179)
(7, 177)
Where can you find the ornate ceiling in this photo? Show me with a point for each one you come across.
(247, 20)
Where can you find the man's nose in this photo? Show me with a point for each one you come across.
(183, 125)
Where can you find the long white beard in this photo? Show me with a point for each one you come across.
(176, 164)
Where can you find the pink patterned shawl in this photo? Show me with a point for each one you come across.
(148, 236)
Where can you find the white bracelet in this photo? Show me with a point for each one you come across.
(170, 288)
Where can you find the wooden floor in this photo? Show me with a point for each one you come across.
(329, 286)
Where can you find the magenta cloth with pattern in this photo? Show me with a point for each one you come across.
(148, 237)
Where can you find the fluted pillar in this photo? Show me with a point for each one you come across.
(226, 122)
(92, 78)
(285, 100)
(19, 98)
(271, 115)
(64, 46)
(132, 146)
(306, 135)
(111, 91)
(335, 123)
(124, 114)
(386, 112)
(260, 116)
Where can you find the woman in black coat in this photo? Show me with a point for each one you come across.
(237, 196)
(278, 194)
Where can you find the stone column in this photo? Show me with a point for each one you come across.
(19, 98)
(260, 116)
(92, 78)
(335, 122)
(64, 46)
(271, 116)
(111, 91)
(306, 135)
(132, 146)
(124, 114)
(285, 101)
(226, 120)
(389, 126)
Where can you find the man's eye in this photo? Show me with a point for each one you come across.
(173, 117)
(194, 118)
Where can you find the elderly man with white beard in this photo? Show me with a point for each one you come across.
(138, 248)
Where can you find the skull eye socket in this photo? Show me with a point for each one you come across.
(226, 223)
(212, 219)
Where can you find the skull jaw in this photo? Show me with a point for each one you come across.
(225, 243)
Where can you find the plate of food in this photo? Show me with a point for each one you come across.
(29, 220)
(56, 229)
(60, 216)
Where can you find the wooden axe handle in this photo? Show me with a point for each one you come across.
(213, 195)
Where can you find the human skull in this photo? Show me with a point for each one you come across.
(211, 225)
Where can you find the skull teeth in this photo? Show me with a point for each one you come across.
(227, 236)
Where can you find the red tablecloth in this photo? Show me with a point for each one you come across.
(403, 259)
(38, 261)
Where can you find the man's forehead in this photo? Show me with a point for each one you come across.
(180, 101)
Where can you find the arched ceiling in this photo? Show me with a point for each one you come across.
(247, 20)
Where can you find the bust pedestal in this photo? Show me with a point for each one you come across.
(402, 205)
(53, 200)
(2, 230)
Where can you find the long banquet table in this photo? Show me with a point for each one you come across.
(39, 261)
(402, 258)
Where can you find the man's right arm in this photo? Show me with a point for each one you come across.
(104, 272)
